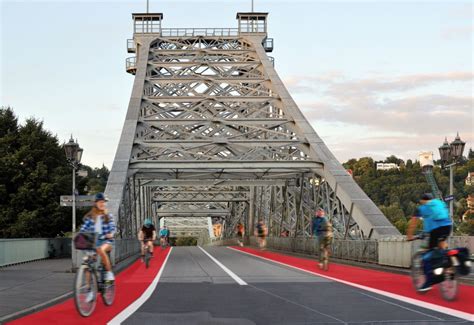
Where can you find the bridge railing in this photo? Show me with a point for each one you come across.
(395, 251)
(191, 32)
(20, 250)
(361, 251)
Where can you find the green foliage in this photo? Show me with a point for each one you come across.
(186, 241)
(34, 173)
(467, 227)
(397, 192)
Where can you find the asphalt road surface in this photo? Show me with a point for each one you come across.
(195, 289)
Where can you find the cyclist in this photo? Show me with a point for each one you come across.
(147, 236)
(436, 223)
(240, 233)
(261, 233)
(98, 221)
(164, 236)
(322, 228)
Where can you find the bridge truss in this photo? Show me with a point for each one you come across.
(212, 135)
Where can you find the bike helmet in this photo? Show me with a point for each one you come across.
(427, 197)
(100, 197)
(148, 223)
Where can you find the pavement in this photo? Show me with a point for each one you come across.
(219, 285)
(194, 290)
(28, 287)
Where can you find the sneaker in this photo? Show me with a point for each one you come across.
(425, 287)
(109, 276)
(321, 265)
(89, 297)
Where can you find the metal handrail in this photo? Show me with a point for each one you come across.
(131, 62)
(178, 32)
(131, 45)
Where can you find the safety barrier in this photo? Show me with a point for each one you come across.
(14, 251)
(394, 251)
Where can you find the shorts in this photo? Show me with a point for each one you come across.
(325, 241)
(437, 234)
(239, 234)
(100, 242)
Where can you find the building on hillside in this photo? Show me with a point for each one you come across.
(387, 166)
(470, 206)
(469, 179)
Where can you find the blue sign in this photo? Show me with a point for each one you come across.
(449, 198)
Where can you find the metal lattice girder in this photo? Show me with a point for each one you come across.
(212, 111)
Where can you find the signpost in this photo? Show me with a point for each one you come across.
(81, 200)
(448, 198)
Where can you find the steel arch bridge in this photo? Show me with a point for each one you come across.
(212, 135)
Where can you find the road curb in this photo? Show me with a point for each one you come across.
(33, 309)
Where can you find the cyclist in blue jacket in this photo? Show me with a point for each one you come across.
(436, 223)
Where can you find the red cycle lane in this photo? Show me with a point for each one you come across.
(393, 285)
(130, 285)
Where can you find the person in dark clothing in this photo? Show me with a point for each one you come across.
(147, 236)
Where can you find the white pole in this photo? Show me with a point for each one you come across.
(252, 5)
(147, 5)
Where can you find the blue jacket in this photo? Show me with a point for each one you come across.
(319, 226)
(435, 214)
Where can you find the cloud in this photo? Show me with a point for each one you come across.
(400, 114)
(462, 32)
(337, 83)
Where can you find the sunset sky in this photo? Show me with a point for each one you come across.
(374, 78)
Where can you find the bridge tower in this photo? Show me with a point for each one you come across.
(213, 136)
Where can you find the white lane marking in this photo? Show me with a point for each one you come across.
(222, 266)
(419, 303)
(124, 314)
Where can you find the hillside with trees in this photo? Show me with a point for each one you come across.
(397, 192)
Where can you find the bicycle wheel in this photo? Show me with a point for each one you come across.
(147, 257)
(108, 292)
(449, 287)
(418, 277)
(85, 290)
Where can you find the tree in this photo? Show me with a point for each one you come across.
(34, 173)
(393, 159)
(470, 155)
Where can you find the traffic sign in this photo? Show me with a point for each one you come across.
(81, 200)
(448, 198)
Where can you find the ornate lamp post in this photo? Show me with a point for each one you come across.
(73, 155)
(450, 154)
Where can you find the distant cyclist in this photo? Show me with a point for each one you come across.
(322, 228)
(240, 233)
(147, 236)
(261, 232)
(436, 223)
(164, 236)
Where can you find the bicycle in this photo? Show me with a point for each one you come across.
(163, 242)
(90, 280)
(444, 273)
(147, 255)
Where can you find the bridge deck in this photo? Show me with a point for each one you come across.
(193, 289)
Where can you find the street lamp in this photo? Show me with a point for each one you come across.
(450, 154)
(74, 156)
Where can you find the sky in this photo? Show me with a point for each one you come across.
(374, 78)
